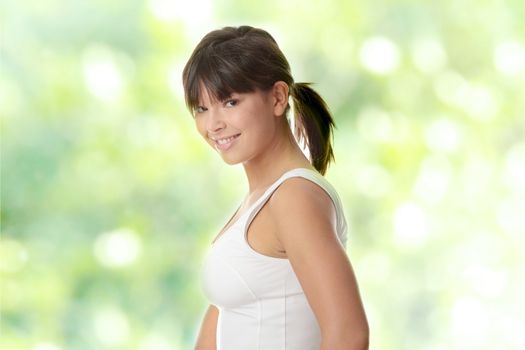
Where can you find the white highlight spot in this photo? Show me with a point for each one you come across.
(111, 326)
(469, 318)
(101, 74)
(480, 102)
(379, 55)
(117, 248)
(443, 135)
(509, 57)
(410, 224)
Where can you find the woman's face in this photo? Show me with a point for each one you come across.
(240, 127)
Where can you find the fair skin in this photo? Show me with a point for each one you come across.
(297, 209)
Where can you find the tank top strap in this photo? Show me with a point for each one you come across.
(313, 176)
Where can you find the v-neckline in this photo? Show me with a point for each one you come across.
(228, 227)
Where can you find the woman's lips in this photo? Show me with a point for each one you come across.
(225, 143)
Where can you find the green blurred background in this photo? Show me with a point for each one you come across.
(110, 198)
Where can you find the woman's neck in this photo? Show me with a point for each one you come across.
(285, 154)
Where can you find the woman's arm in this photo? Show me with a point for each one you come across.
(206, 339)
(305, 223)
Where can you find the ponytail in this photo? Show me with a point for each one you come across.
(313, 125)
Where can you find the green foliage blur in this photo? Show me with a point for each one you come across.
(109, 198)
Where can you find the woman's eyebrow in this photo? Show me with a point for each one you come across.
(230, 96)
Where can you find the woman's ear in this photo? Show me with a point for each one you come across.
(279, 98)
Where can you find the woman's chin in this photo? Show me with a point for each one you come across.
(230, 161)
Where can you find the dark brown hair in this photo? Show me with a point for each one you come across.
(246, 59)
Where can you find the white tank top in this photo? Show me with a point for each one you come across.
(261, 303)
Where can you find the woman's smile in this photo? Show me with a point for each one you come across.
(223, 144)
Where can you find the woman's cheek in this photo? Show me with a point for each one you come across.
(200, 128)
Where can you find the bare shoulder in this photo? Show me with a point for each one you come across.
(301, 202)
(304, 221)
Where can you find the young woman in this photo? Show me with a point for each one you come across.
(277, 275)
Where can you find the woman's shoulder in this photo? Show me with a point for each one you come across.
(302, 197)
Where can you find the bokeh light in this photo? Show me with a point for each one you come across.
(379, 55)
(117, 248)
(509, 57)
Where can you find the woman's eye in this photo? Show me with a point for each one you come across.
(230, 103)
(199, 109)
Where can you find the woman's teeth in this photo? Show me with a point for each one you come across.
(226, 140)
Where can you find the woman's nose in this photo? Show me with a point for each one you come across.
(215, 122)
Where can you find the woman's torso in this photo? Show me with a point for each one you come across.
(261, 303)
